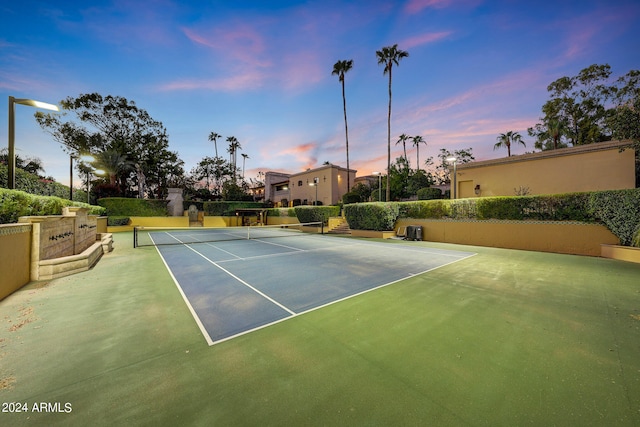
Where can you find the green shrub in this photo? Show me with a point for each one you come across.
(635, 242)
(619, 210)
(376, 216)
(316, 213)
(123, 206)
(15, 203)
(429, 193)
(431, 209)
(228, 208)
(118, 220)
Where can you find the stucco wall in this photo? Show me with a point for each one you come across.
(559, 237)
(590, 167)
(15, 257)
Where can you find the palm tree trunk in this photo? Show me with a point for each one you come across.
(346, 134)
(388, 192)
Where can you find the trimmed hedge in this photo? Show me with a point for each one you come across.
(619, 210)
(429, 193)
(123, 206)
(316, 213)
(376, 216)
(15, 203)
(228, 208)
(282, 212)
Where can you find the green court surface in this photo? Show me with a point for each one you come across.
(501, 338)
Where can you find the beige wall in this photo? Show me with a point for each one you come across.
(332, 184)
(567, 238)
(15, 257)
(590, 167)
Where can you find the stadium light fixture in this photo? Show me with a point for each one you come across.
(11, 175)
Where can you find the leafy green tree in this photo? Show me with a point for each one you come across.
(388, 56)
(442, 175)
(340, 68)
(577, 108)
(507, 140)
(113, 123)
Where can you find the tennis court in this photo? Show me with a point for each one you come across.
(237, 286)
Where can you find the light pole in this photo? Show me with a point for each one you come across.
(315, 184)
(455, 175)
(379, 185)
(11, 175)
(96, 172)
(83, 158)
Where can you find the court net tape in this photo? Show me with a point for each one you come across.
(155, 236)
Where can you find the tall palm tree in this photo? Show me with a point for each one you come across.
(507, 139)
(244, 159)
(403, 139)
(339, 68)
(388, 56)
(234, 146)
(417, 140)
(214, 138)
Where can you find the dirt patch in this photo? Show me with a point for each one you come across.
(20, 324)
(635, 316)
(7, 383)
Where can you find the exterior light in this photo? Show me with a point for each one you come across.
(379, 185)
(83, 158)
(11, 175)
(454, 160)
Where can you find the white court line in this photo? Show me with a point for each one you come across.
(336, 301)
(297, 251)
(204, 331)
(244, 282)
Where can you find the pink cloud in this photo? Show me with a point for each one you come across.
(415, 6)
(423, 39)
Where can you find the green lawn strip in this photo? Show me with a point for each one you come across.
(502, 338)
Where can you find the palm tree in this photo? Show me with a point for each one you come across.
(417, 140)
(339, 68)
(234, 146)
(556, 129)
(214, 138)
(506, 139)
(403, 139)
(244, 159)
(388, 56)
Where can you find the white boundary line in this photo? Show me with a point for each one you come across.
(293, 314)
(335, 302)
(244, 282)
(204, 331)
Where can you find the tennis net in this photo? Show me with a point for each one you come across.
(155, 236)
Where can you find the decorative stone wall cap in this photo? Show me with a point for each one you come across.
(74, 211)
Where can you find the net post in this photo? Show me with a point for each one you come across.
(322, 228)
(135, 237)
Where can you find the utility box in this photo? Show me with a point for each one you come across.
(414, 232)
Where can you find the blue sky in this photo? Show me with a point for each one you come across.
(261, 71)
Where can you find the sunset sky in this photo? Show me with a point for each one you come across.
(261, 71)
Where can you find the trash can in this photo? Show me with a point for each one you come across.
(414, 232)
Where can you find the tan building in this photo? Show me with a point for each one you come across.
(325, 184)
(593, 167)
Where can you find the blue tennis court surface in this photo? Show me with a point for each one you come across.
(234, 287)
